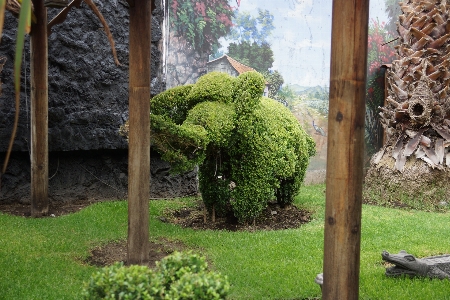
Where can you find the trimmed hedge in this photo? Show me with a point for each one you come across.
(177, 276)
(249, 149)
(120, 282)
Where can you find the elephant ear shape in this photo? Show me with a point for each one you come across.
(248, 87)
(173, 103)
(214, 86)
(218, 120)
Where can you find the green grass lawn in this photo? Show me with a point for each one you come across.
(43, 258)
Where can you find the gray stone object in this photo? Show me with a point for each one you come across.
(319, 280)
(407, 264)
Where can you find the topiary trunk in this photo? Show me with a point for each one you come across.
(416, 117)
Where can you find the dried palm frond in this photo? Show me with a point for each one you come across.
(416, 115)
(13, 6)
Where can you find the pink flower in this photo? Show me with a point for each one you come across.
(175, 7)
(223, 18)
(374, 66)
(200, 8)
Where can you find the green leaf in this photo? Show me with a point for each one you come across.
(24, 27)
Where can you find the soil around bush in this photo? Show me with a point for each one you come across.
(113, 252)
(274, 217)
(56, 208)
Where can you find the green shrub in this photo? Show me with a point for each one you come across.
(177, 276)
(174, 266)
(269, 158)
(249, 149)
(214, 86)
(214, 182)
(120, 282)
(199, 286)
(182, 145)
(218, 120)
(173, 103)
(248, 88)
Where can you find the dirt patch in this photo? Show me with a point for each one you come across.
(274, 217)
(56, 208)
(117, 252)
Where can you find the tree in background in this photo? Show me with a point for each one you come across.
(287, 94)
(250, 47)
(257, 56)
(392, 10)
(275, 81)
(201, 22)
(249, 29)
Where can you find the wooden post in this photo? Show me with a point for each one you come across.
(345, 156)
(139, 134)
(39, 111)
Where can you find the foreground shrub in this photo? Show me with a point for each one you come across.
(120, 282)
(177, 276)
(173, 267)
(199, 286)
(184, 276)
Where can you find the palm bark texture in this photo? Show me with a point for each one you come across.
(416, 114)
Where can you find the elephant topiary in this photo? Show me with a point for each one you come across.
(249, 149)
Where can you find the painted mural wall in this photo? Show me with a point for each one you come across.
(289, 42)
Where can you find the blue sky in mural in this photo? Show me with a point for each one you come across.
(301, 40)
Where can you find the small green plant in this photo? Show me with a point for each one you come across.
(175, 266)
(120, 282)
(177, 276)
(199, 286)
(184, 276)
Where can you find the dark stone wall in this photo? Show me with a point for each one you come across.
(88, 93)
(88, 101)
(98, 175)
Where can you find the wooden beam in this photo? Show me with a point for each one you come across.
(39, 111)
(139, 134)
(345, 156)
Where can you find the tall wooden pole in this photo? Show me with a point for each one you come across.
(345, 156)
(139, 134)
(39, 111)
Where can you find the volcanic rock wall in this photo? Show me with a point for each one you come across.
(88, 101)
